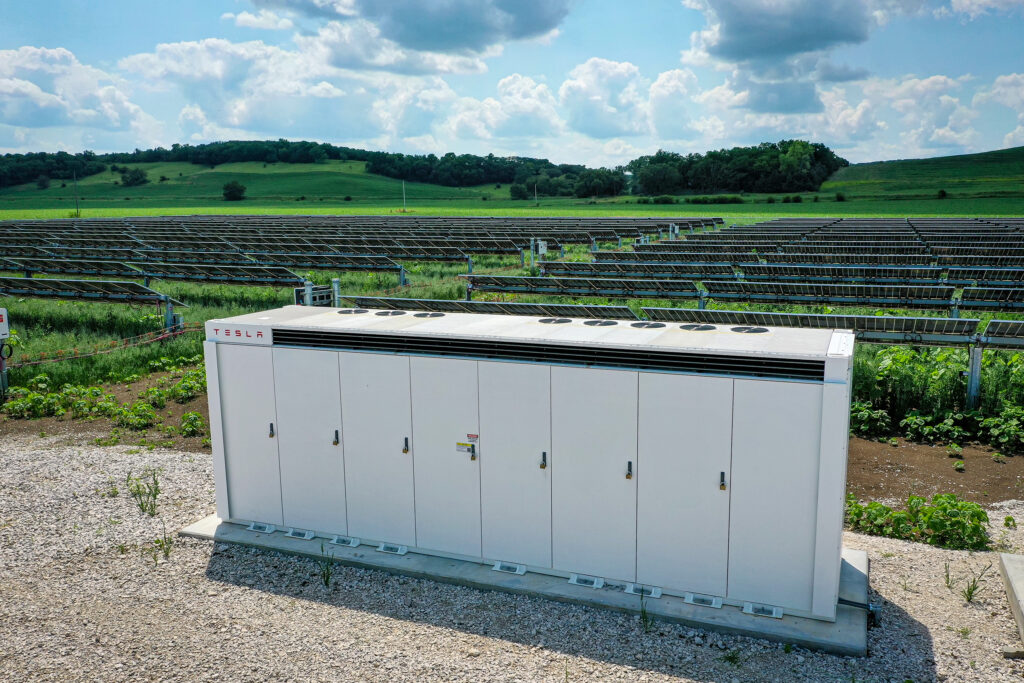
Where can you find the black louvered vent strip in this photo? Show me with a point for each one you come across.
(561, 354)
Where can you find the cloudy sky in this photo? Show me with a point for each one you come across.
(586, 81)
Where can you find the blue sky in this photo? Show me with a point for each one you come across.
(584, 81)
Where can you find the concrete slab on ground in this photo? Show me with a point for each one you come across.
(846, 636)
(1012, 569)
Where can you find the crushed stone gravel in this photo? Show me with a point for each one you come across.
(82, 598)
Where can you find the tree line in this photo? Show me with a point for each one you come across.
(786, 166)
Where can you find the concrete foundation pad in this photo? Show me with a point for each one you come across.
(1012, 569)
(846, 636)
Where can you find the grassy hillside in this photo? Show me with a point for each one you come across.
(192, 185)
(980, 184)
(998, 174)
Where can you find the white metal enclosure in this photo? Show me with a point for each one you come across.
(703, 461)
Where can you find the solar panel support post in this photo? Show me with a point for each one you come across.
(469, 291)
(469, 265)
(532, 246)
(169, 322)
(401, 276)
(620, 241)
(700, 301)
(954, 311)
(974, 376)
(307, 295)
(335, 292)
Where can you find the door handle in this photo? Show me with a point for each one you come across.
(405, 448)
(472, 451)
(544, 460)
(271, 430)
(336, 439)
(629, 470)
(721, 481)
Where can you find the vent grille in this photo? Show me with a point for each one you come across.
(558, 354)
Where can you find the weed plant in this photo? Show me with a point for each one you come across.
(144, 489)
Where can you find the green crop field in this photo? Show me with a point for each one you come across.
(989, 184)
(985, 177)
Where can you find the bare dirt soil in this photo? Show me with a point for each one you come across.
(886, 473)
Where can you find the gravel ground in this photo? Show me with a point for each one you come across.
(81, 600)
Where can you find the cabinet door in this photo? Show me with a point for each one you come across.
(376, 427)
(593, 438)
(445, 415)
(309, 418)
(515, 439)
(776, 432)
(685, 444)
(246, 379)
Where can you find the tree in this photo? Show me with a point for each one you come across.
(660, 179)
(133, 177)
(234, 191)
(43, 182)
(518, 191)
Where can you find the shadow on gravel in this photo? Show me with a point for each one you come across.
(899, 648)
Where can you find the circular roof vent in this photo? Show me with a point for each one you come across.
(554, 321)
(697, 327)
(352, 311)
(747, 329)
(431, 314)
(599, 323)
(647, 325)
(390, 313)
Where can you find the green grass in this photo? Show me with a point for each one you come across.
(990, 184)
(988, 176)
(191, 185)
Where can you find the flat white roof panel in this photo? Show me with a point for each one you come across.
(781, 341)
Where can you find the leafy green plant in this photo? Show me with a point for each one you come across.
(947, 522)
(144, 489)
(954, 450)
(155, 396)
(137, 416)
(868, 422)
(112, 439)
(191, 385)
(1009, 522)
(959, 466)
(998, 458)
(1006, 430)
(192, 424)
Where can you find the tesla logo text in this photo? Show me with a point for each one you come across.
(224, 332)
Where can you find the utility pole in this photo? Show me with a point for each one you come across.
(536, 202)
(403, 197)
